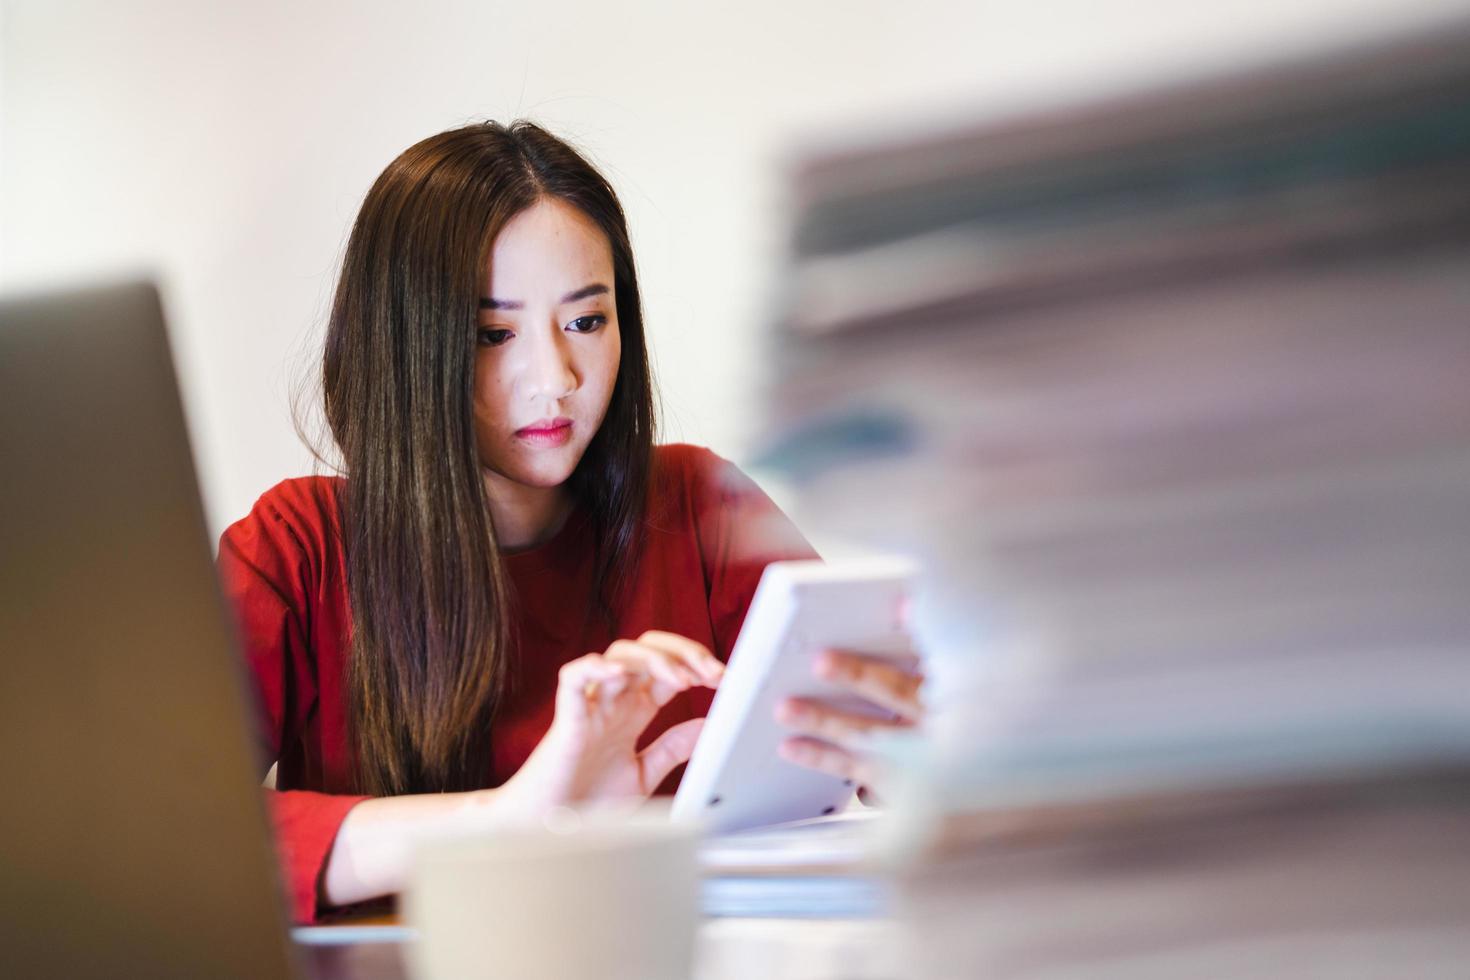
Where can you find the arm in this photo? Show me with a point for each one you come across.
(337, 849)
(373, 851)
(603, 704)
(270, 571)
(334, 849)
(741, 531)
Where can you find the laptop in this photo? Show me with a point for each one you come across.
(133, 838)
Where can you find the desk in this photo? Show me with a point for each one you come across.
(729, 949)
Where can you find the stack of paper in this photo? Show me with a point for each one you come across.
(810, 869)
(1172, 397)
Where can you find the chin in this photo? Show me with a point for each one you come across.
(548, 472)
(546, 479)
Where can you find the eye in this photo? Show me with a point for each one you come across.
(493, 337)
(587, 324)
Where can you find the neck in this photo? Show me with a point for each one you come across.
(525, 517)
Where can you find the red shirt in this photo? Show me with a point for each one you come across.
(711, 532)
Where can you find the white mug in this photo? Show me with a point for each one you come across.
(583, 895)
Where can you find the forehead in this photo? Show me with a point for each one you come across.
(551, 247)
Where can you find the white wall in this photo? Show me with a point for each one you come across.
(226, 146)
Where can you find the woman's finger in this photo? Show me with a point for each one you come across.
(810, 716)
(670, 749)
(825, 757)
(581, 682)
(693, 654)
(575, 675)
(628, 652)
(884, 684)
(671, 677)
(618, 680)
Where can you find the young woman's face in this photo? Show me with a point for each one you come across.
(549, 345)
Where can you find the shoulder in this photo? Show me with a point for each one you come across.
(728, 510)
(699, 473)
(295, 518)
(303, 502)
(679, 458)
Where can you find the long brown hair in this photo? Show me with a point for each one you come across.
(430, 600)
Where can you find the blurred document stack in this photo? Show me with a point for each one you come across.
(1171, 395)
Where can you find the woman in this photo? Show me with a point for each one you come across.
(418, 631)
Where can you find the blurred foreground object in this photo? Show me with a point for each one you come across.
(1171, 395)
(497, 905)
(133, 839)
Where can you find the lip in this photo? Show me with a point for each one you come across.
(547, 432)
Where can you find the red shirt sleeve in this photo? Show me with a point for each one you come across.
(263, 566)
(305, 826)
(741, 531)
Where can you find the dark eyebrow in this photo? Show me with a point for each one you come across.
(596, 289)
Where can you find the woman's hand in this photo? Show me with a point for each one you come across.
(830, 735)
(604, 701)
(603, 704)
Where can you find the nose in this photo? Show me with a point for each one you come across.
(549, 372)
